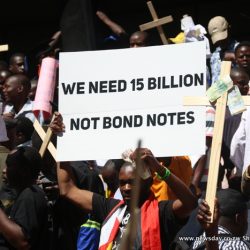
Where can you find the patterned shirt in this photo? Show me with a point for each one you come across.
(215, 60)
(226, 241)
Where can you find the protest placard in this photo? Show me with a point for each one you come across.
(110, 99)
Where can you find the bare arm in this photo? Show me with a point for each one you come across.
(201, 164)
(12, 232)
(186, 202)
(116, 28)
(199, 171)
(68, 189)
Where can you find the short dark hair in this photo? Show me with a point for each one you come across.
(25, 126)
(23, 166)
(13, 56)
(231, 202)
(242, 44)
(23, 80)
(114, 164)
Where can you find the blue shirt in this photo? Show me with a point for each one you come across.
(215, 60)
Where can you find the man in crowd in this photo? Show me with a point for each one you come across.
(139, 39)
(16, 90)
(160, 221)
(26, 226)
(242, 56)
(17, 63)
(229, 222)
(220, 33)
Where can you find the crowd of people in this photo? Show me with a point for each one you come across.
(80, 205)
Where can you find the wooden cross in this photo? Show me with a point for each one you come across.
(45, 137)
(4, 47)
(220, 111)
(156, 23)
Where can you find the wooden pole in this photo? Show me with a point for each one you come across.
(129, 236)
(214, 161)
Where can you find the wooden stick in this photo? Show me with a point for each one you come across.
(46, 140)
(214, 162)
(196, 101)
(129, 236)
(203, 101)
(42, 135)
(155, 23)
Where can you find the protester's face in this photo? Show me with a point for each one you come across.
(137, 41)
(242, 80)
(11, 89)
(18, 65)
(126, 179)
(242, 57)
(19, 138)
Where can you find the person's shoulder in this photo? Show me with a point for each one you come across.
(29, 101)
(111, 201)
(28, 104)
(33, 192)
(102, 206)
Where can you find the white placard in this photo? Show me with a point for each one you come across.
(110, 99)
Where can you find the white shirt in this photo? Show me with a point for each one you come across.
(240, 145)
(27, 109)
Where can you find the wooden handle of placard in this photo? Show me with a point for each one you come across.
(214, 162)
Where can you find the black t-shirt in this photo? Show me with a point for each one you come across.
(30, 212)
(169, 224)
(7, 198)
(67, 217)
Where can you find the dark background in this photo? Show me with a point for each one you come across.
(24, 24)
